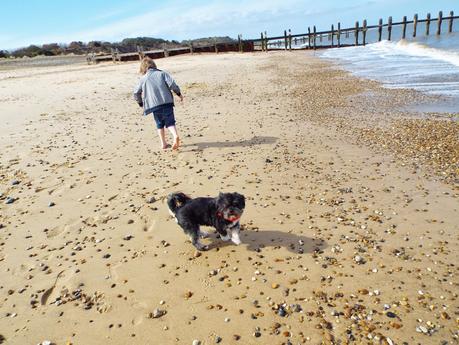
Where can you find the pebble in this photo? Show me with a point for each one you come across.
(51, 204)
(127, 237)
(151, 200)
(196, 342)
(157, 313)
(391, 314)
(257, 334)
(358, 259)
(15, 182)
(9, 200)
(218, 339)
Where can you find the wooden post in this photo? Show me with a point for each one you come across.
(191, 47)
(450, 24)
(404, 27)
(356, 33)
(364, 30)
(338, 34)
(309, 37)
(289, 39)
(389, 28)
(428, 24)
(332, 33)
(166, 52)
(266, 41)
(440, 18)
(314, 37)
(415, 24)
(262, 42)
(285, 39)
(215, 46)
(380, 30)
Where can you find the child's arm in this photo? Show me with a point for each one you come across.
(172, 85)
(138, 94)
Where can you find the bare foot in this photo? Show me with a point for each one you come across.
(165, 147)
(176, 143)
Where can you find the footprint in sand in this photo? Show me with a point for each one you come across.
(69, 228)
(142, 309)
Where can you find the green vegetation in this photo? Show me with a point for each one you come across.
(100, 47)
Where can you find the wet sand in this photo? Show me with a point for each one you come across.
(346, 239)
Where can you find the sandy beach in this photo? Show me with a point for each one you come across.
(350, 234)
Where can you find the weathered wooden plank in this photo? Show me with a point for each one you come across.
(415, 24)
(338, 34)
(404, 27)
(389, 28)
(450, 24)
(427, 24)
(314, 36)
(285, 39)
(364, 31)
(440, 17)
(380, 25)
(356, 33)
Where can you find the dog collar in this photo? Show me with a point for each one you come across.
(230, 219)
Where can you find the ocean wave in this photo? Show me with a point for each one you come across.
(415, 49)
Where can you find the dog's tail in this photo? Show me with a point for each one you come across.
(176, 200)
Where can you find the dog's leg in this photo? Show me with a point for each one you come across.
(194, 238)
(199, 246)
(192, 230)
(235, 234)
(224, 235)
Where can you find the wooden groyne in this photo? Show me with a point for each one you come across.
(313, 39)
(116, 56)
(336, 37)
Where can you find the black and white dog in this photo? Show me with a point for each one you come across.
(222, 212)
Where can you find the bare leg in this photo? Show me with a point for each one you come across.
(173, 131)
(162, 137)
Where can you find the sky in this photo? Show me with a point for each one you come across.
(28, 22)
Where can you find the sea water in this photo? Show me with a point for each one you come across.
(427, 63)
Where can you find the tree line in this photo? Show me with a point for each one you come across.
(101, 47)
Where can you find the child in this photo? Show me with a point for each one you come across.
(154, 94)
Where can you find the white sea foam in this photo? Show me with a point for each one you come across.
(416, 49)
(431, 66)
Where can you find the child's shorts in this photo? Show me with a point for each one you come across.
(164, 116)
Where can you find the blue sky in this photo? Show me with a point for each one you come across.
(47, 21)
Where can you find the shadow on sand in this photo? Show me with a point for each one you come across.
(257, 240)
(241, 143)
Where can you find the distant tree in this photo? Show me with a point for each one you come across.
(51, 49)
(29, 51)
(4, 54)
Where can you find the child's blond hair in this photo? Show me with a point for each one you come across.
(146, 64)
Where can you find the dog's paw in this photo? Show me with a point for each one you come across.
(235, 239)
(225, 238)
(203, 234)
(201, 247)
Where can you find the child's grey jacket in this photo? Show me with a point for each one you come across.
(154, 89)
